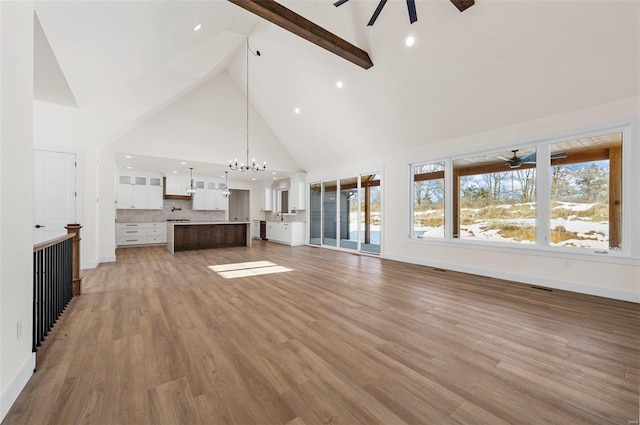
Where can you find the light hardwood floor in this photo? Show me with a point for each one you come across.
(158, 338)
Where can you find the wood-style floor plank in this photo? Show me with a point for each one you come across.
(157, 338)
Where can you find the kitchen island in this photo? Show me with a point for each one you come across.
(182, 236)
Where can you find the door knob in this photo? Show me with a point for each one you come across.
(38, 226)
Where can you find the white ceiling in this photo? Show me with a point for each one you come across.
(497, 64)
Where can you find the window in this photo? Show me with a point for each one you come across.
(496, 196)
(506, 197)
(585, 193)
(428, 200)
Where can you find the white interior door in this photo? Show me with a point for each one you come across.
(54, 198)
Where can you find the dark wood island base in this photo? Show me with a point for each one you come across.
(188, 236)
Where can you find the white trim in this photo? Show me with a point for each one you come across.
(17, 385)
(617, 294)
(109, 259)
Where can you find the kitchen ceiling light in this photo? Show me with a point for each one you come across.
(339, 84)
(226, 192)
(296, 110)
(253, 166)
(183, 163)
(410, 41)
(128, 156)
(174, 172)
(191, 190)
(197, 28)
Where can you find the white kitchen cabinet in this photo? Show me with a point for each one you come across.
(139, 192)
(288, 233)
(177, 184)
(199, 198)
(155, 195)
(266, 197)
(209, 196)
(132, 192)
(128, 234)
(255, 229)
(298, 193)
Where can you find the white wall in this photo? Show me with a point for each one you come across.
(594, 275)
(16, 208)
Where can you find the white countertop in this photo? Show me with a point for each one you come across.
(186, 223)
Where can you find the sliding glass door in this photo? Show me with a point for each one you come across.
(315, 213)
(370, 216)
(346, 213)
(329, 213)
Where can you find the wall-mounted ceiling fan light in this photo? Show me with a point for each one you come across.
(197, 28)
(410, 41)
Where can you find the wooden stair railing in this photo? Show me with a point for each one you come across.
(56, 279)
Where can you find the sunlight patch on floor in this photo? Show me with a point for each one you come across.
(251, 268)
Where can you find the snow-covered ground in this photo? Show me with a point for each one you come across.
(590, 234)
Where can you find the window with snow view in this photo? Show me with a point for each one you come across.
(586, 193)
(495, 197)
(428, 200)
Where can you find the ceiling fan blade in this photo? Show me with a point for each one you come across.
(462, 5)
(558, 155)
(529, 158)
(413, 15)
(340, 2)
(377, 12)
(503, 158)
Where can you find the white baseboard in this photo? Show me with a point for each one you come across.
(617, 294)
(13, 390)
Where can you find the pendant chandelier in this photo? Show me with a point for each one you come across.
(253, 166)
(191, 189)
(226, 192)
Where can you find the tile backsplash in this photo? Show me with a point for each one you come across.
(183, 211)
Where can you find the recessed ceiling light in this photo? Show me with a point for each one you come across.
(275, 178)
(128, 168)
(273, 173)
(174, 172)
(296, 110)
(128, 156)
(222, 175)
(183, 163)
(197, 27)
(253, 178)
(410, 41)
(339, 84)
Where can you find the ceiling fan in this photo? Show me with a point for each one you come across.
(530, 158)
(462, 5)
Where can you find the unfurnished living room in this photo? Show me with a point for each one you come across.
(318, 211)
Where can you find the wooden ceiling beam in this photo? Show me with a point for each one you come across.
(462, 5)
(302, 27)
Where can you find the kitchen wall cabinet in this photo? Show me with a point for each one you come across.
(265, 193)
(177, 184)
(297, 193)
(209, 196)
(139, 192)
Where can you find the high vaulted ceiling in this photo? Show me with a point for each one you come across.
(497, 64)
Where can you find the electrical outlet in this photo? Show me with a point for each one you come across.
(19, 328)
